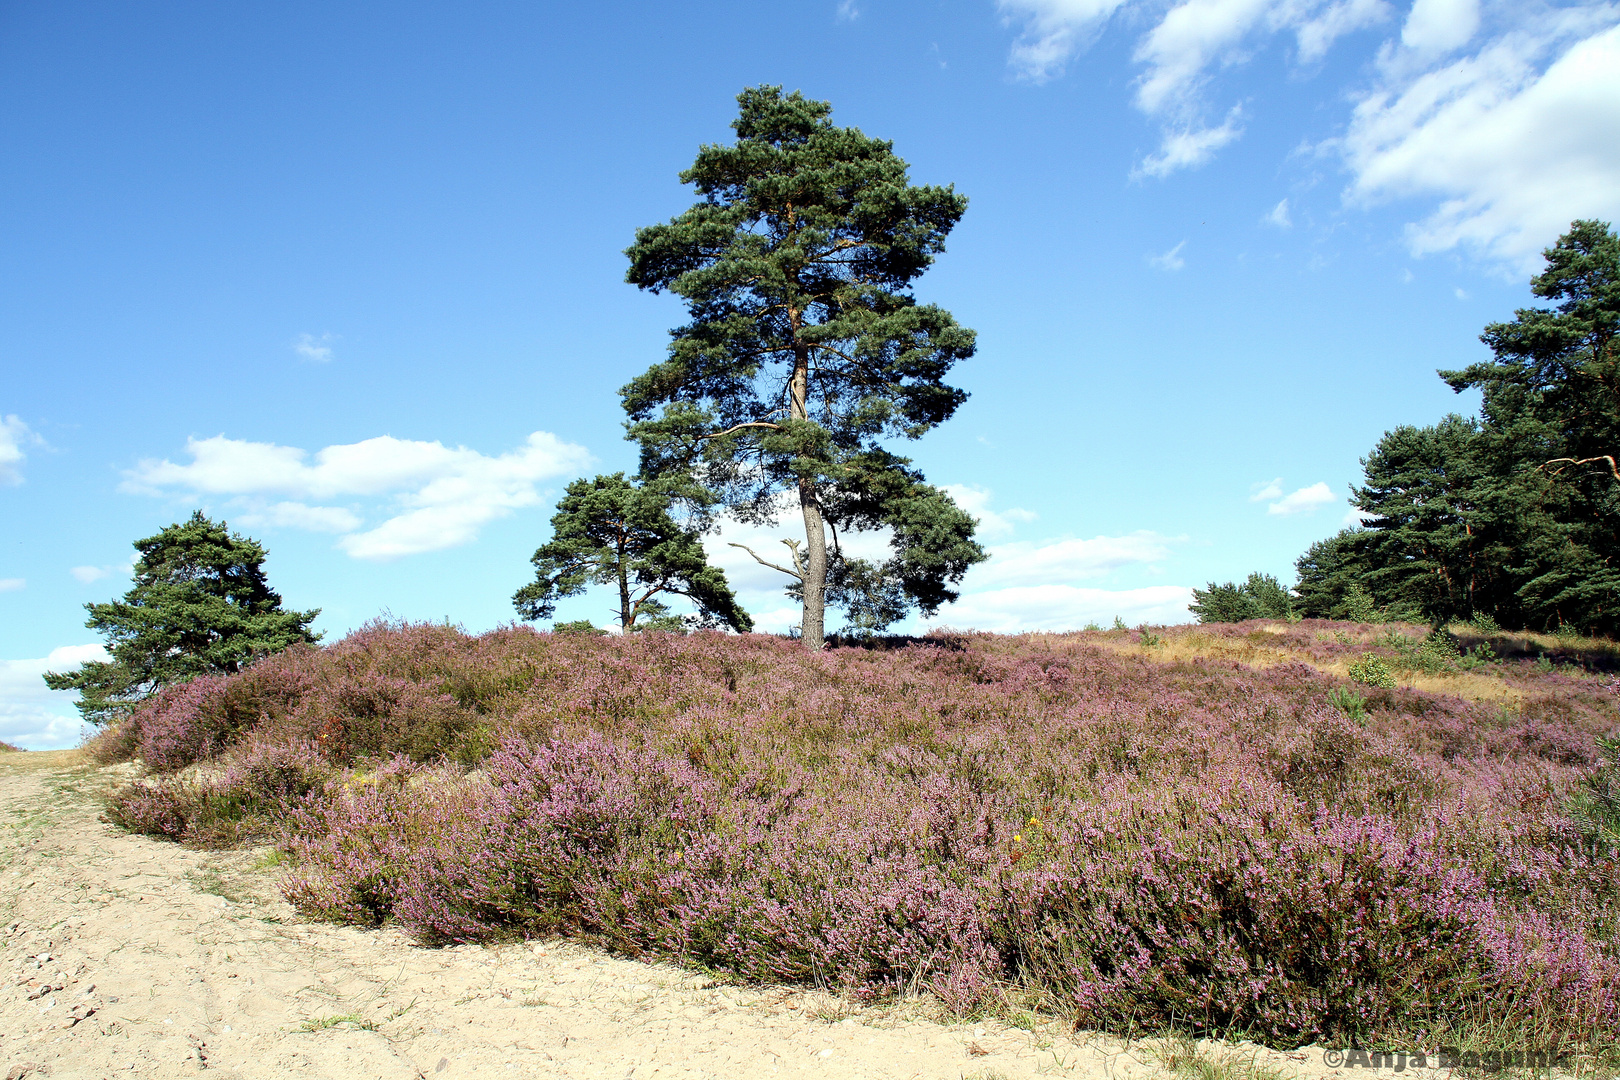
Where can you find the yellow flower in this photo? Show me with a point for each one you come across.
(1017, 838)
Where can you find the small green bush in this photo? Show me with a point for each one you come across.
(578, 626)
(1359, 605)
(1371, 670)
(1595, 808)
(1350, 703)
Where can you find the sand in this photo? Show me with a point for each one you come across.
(124, 956)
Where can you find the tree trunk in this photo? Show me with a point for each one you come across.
(813, 627)
(627, 616)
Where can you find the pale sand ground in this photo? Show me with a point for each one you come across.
(123, 956)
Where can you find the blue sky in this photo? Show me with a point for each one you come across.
(351, 276)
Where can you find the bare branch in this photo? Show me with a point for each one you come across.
(762, 562)
(1613, 471)
(793, 546)
(739, 427)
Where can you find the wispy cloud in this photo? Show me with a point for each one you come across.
(89, 574)
(992, 523)
(1279, 216)
(1261, 490)
(437, 496)
(1303, 501)
(1023, 608)
(1170, 260)
(12, 584)
(1190, 147)
(315, 349)
(847, 11)
(1053, 31)
(1514, 139)
(1501, 117)
(1065, 561)
(33, 716)
(14, 436)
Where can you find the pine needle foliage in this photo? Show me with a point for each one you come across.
(804, 352)
(200, 606)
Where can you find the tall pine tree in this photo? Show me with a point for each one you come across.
(805, 350)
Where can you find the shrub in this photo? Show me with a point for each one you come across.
(1134, 842)
(1595, 806)
(1371, 670)
(1348, 702)
(1359, 605)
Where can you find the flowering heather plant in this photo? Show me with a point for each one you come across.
(1133, 838)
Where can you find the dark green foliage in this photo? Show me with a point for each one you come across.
(1350, 703)
(200, 606)
(612, 531)
(1260, 597)
(804, 351)
(1514, 516)
(1596, 806)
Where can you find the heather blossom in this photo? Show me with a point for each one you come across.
(1120, 838)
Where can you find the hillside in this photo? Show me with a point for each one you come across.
(1204, 826)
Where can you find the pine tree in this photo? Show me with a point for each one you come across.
(804, 351)
(200, 605)
(612, 531)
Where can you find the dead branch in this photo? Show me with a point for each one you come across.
(1613, 471)
(773, 566)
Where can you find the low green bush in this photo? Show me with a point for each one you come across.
(1371, 670)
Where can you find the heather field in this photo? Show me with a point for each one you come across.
(1207, 827)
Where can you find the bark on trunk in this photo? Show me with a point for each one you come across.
(813, 626)
(626, 615)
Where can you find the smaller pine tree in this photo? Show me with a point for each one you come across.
(200, 606)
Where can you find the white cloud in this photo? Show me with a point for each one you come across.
(1057, 562)
(1279, 216)
(297, 515)
(1461, 293)
(1065, 607)
(1317, 34)
(976, 501)
(14, 435)
(1303, 501)
(89, 574)
(1354, 518)
(440, 496)
(315, 349)
(1053, 31)
(1504, 121)
(33, 716)
(1261, 490)
(1170, 260)
(847, 11)
(1515, 140)
(1440, 25)
(12, 584)
(1189, 148)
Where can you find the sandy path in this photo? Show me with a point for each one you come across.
(129, 957)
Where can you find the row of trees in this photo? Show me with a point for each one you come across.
(1514, 514)
(804, 353)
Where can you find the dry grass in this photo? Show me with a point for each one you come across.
(1259, 650)
(33, 760)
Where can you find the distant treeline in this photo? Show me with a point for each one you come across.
(1512, 516)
